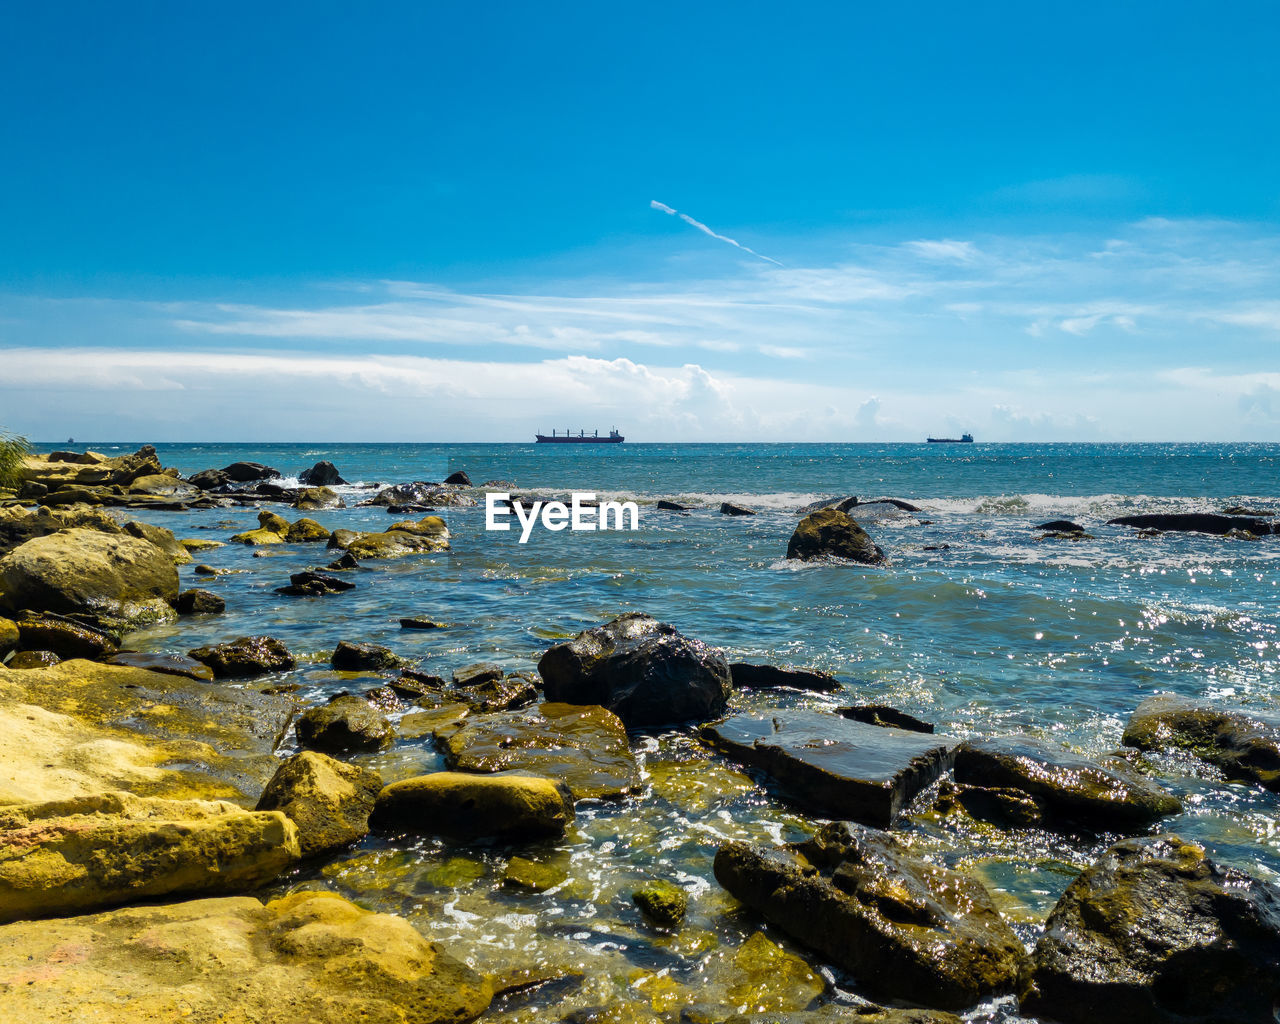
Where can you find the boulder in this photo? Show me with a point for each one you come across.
(164, 486)
(833, 766)
(322, 474)
(314, 584)
(585, 746)
(345, 725)
(64, 637)
(246, 472)
(1243, 742)
(830, 533)
(1060, 526)
(1070, 789)
(458, 479)
(343, 563)
(421, 537)
(312, 957)
(305, 531)
(1157, 932)
(210, 479)
(161, 538)
(104, 575)
(728, 508)
(505, 805)
(907, 929)
(245, 657)
(199, 602)
(329, 801)
(747, 676)
(311, 499)
(1198, 522)
(884, 715)
(271, 530)
(642, 670)
(92, 852)
(363, 657)
(475, 675)
(663, 903)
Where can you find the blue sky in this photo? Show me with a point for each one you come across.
(437, 222)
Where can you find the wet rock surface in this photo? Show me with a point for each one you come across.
(343, 726)
(199, 602)
(642, 670)
(833, 766)
(422, 536)
(884, 715)
(328, 800)
(907, 929)
(1243, 742)
(322, 474)
(504, 805)
(1198, 522)
(92, 852)
(1071, 790)
(64, 637)
(764, 677)
(585, 746)
(830, 533)
(170, 664)
(314, 584)
(245, 657)
(351, 656)
(312, 956)
(1155, 931)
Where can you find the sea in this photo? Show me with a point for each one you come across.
(976, 623)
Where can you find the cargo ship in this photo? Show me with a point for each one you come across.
(962, 439)
(581, 437)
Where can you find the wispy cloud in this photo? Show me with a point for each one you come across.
(664, 208)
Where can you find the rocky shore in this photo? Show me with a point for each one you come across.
(189, 834)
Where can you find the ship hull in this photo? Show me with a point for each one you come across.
(948, 440)
(544, 439)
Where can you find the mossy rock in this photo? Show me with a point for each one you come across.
(662, 903)
(506, 805)
(532, 875)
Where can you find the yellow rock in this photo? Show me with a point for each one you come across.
(200, 544)
(505, 804)
(774, 979)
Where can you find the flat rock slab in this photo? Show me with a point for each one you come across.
(1197, 522)
(833, 766)
(311, 956)
(69, 856)
(746, 675)
(907, 930)
(1156, 932)
(1069, 788)
(584, 746)
(1244, 743)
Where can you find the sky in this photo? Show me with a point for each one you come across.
(702, 222)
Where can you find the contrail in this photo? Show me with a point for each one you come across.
(664, 208)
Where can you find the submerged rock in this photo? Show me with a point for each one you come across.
(345, 725)
(80, 570)
(417, 622)
(532, 875)
(505, 805)
(908, 930)
(32, 659)
(1060, 526)
(314, 584)
(329, 801)
(245, 657)
(830, 533)
(585, 746)
(761, 677)
(833, 766)
(311, 957)
(322, 474)
(1070, 789)
(642, 670)
(1157, 932)
(1244, 743)
(99, 851)
(1198, 522)
(361, 657)
(663, 903)
(884, 715)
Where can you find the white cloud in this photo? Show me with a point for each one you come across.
(664, 208)
(945, 250)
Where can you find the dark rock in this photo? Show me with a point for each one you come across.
(1198, 522)
(908, 930)
(766, 677)
(245, 472)
(169, 664)
(413, 682)
(840, 504)
(1060, 526)
(210, 479)
(642, 670)
(1079, 535)
(345, 562)
(199, 602)
(474, 675)
(728, 508)
(328, 800)
(322, 474)
(420, 623)
(898, 503)
(314, 584)
(1073, 790)
(1240, 510)
(505, 805)
(33, 659)
(1244, 743)
(1009, 808)
(513, 691)
(64, 637)
(358, 657)
(833, 766)
(663, 903)
(345, 725)
(419, 492)
(672, 506)
(886, 716)
(245, 657)
(830, 533)
(586, 747)
(1157, 932)
(458, 479)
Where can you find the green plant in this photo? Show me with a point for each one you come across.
(13, 449)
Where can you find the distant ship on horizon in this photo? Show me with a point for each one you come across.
(962, 439)
(581, 437)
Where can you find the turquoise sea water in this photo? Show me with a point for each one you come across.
(976, 624)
